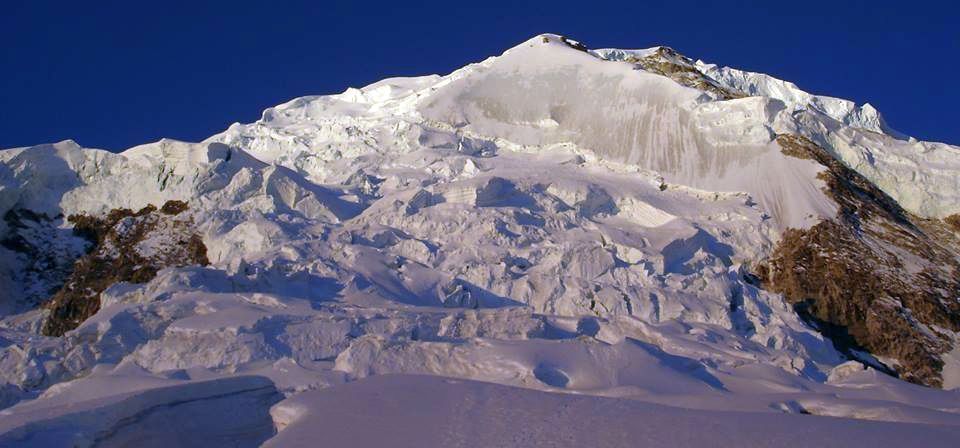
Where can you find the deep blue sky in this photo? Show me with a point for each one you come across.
(116, 74)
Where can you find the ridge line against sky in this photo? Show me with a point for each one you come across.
(114, 74)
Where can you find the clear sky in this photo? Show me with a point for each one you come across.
(115, 74)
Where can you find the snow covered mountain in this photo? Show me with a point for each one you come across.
(669, 234)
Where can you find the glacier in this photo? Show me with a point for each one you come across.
(553, 219)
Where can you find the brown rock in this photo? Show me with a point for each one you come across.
(117, 256)
(667, 62)
(953, 221)
(174, 207)
(874, 277)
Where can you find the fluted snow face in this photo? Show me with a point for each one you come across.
(545, 92)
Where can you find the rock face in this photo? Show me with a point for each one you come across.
(875, 277)
(667, 62)
(128, 247)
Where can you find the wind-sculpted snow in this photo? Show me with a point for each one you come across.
(553, 219)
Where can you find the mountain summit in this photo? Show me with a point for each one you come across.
(632, 224)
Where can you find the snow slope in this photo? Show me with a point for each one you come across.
(552, 219)
(467, 413)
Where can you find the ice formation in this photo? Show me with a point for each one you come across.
(555, 219)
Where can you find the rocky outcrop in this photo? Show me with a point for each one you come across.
(953, 221)
(667, 62)
(874, 277)
(128, 247)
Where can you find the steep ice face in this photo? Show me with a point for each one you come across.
(758, 84)
(545, 92)
(545, 219)
(860, 138)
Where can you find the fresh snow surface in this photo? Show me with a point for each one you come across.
(468, 413)
(551, 219)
